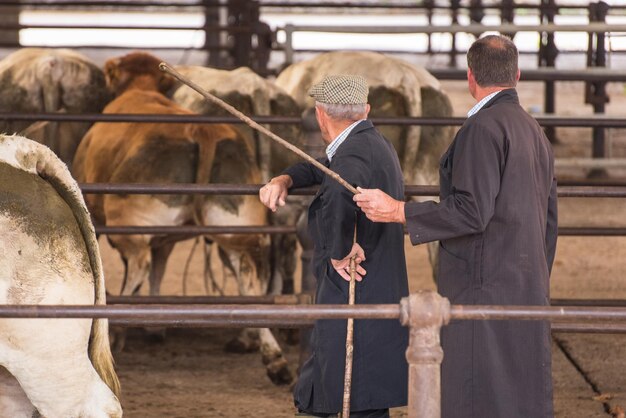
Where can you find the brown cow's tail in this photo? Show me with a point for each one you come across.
(38, 159)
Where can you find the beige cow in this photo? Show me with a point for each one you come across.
(52, 81)
(53, 368)
(173, 153)
(254, 96)
(397, 88)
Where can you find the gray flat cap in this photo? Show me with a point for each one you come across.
(341, 89)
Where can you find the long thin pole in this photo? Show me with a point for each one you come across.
(167, 69)
(347, 378)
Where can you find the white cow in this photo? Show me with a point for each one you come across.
(53, 368)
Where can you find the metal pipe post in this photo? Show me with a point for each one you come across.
(425, 312)
(597, 95)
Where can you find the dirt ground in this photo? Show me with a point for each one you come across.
(190, 375)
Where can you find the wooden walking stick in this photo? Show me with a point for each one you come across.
(350, 327)
(347, 377)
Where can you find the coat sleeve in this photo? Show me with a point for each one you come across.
(352, 163)
(477, 164)
(552, 226)
(305, 174)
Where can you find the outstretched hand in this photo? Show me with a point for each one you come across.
(378, 206)
(274, 193)
(343, 266)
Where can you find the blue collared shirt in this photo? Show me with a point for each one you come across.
(480, 104)
(331, 149)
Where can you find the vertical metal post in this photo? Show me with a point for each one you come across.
(595, 91)
(547, 58)
(454, 9)
(477, 11)
(429, 5)
(241, 15)
(507, 14)
(425, 312)
(10, 16)
(211, 36)
(288, 45)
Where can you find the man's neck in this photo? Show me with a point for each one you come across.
(483, 92)
(337, 127)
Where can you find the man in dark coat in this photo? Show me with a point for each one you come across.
(497, 222)
(361, 156)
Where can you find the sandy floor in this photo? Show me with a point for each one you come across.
(189, 375)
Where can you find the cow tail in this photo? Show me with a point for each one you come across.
(50, 168)
(207, 138)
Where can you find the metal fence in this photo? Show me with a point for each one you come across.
(424, 312)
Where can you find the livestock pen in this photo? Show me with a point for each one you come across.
(596, 259)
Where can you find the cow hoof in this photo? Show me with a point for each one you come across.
(278, 371)
(117, 339)
(242, 345)
(155, 335)
(290, 336)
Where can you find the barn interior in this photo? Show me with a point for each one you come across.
(573, 64)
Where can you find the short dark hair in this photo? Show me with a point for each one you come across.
(493, 61)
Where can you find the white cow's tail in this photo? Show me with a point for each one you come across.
(35, 158)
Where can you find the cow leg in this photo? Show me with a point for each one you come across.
(433, 257)
(159, 261)
(137, 257)
(159, 256)
(271, 353)
(13, 401)
(210, 283)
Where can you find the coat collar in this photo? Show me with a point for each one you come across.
(504, 96)
(366, 124)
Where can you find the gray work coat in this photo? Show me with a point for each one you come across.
(379, 376)
(497, 222)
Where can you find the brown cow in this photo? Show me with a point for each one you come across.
(51, 80)
(173, 153)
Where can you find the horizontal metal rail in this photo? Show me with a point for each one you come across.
(253, 189)
(544, 120)
(299, 298)
(210, 323)
(286, 313)
(283, 4)
(543, 74)
(194, 230)
(210, 300)
(475, 29)
(230, 29)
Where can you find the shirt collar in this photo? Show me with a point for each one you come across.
(331, 149)
(480, 104)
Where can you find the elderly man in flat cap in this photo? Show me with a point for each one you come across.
(363, 157)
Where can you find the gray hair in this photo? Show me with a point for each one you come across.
(344, 111)
(493, 61)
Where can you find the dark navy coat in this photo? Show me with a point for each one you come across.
(497, 222)
(379, 378)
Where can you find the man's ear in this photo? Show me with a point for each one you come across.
(519, 73)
